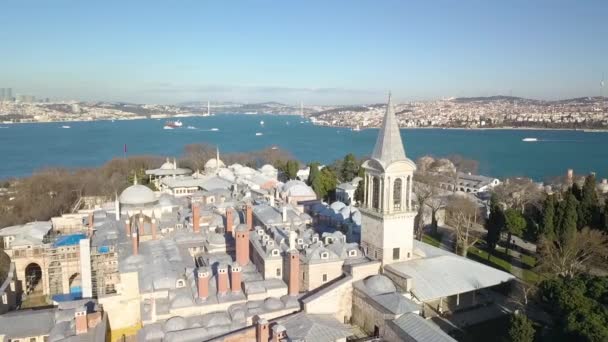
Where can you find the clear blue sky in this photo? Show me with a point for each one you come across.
(317, 51)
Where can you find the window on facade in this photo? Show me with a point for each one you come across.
(397, 185)
(324, 277)
(303, 276)
(396, 253)
(375, 192)
(278, 272)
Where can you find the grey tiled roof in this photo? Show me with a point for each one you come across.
(412, 327)
(317, 328)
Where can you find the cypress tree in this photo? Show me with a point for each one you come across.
(588, 213)
(567, 227)
(548, 226)
(495, 223)
(313, 172)
(605, 217)
(350, 168)
(576, 191)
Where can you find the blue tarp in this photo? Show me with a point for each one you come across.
(103, 249)
(69, 240)
(66, 297)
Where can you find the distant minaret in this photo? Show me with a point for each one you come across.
(217, 158)
(301, 108)
(117, 207)
(208, 108)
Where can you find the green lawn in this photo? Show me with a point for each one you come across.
(482, 256)
(528, 260)
(431, 240)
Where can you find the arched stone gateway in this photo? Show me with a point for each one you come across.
(33, 278)
(55, 278)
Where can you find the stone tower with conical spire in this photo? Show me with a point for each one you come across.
(387, 227)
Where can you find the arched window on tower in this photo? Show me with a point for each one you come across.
(397, 185)
(408, 189)
(376, 193)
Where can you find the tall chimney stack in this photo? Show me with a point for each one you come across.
(91, 222)
(80, 317)
(222, 280)
(195, 217)
(203, 282)
(235, 277)
(284, 214)
(153, 223)
(242, 245)
(135, 243)
(570, 176)
(261, 330)
(249, 216)
(229, 221)
(294, 271)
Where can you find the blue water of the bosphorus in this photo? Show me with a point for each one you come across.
(25, 148)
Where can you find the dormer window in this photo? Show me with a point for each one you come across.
(180, 283)
(275, 252)
(324, 255)
(352, 253)
(315, 239)
(270, 243)
(300, 241)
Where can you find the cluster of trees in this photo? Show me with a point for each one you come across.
(325, 180)
(52, 192)
(579, 305)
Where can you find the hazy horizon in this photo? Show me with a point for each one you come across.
(317, 52)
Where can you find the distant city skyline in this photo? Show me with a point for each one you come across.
(318, 52)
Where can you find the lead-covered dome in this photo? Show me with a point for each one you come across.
(137, 194)
(213, 164)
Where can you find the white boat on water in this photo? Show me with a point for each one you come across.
(191, 127)
(357, 129)
(262, 122)
(258, 134)
(215, 129)
(65, 126)
(529, 139)
(167, 127)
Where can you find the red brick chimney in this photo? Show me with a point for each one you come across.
(91, 219)
(235, 278)
(153, 228)
(81, 321)
(195, 218)
(128, 227)
(294, 271)
(203, 282)
(229, 221)
(222, 280)
(249, 216)
(135, 243)
(242, 245)
(261, 330)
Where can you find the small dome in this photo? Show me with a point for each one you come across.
(273, 304)
(165, 200)
(298, 188)
(214, 164)
(167, 165)
(337, 206)
(379, 284)
(137, 194)
(175, 324)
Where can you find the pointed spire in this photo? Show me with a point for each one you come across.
(389, 147)
(134, 178)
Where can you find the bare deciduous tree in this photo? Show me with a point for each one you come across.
(574, 256)
(461, 213)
